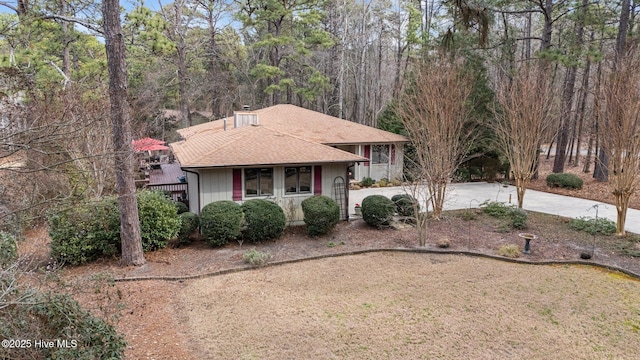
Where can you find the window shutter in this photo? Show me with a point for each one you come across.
(317, 180)
(237, 184)
(367, 153)
(393, 154)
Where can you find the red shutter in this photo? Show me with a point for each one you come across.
(367, 153)
(317, 180)
(237, 184)
(393, 154)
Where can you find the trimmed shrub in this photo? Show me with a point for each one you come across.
(367, 181)
(321, 214)
(86, 232)
(221, 221)
(8, 249)
(589, 225)
(563, 180)
(264, 220)
(181, 207)
(377, 210)
(159, 221)
(404, 204)
(189, 224)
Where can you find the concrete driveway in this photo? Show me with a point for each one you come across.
(465, 195)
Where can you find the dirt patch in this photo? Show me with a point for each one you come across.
(399, 305)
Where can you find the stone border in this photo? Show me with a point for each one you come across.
(358, 252)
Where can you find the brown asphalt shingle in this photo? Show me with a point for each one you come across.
(254, 145)
(306, 124)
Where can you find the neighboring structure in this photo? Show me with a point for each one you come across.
(285, 153)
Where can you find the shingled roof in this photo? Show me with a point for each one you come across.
(305, 124)
(254, 145)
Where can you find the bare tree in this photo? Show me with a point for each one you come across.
(435, 113)
(121, 122)
(620, 111)
(523, 120)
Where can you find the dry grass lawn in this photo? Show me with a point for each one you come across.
(411, 306)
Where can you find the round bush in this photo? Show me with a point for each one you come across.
(189, 225)
(377, 210)
(8, 249)
(321, 214)
(86, 232)
(405, 204)
(563, 180)
(221, 221)
(181, 207)
(159, 221)
(264, 219)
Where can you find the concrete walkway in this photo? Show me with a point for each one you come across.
(465, 195)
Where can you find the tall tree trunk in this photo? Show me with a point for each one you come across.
(129, 223)
(567, 98)
(601, 172)
(582, 105)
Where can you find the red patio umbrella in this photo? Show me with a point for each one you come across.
(148, 144)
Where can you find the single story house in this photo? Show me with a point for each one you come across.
(285, 153)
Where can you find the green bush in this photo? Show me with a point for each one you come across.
(264, 220)
(517, 217)
(8, 249)
(189, 224)
(51, 316)
(321, 214)
(405, 204)
(221, 221)
(181, 207)
(590, 225)
(92, 229)
(563, 180)
(159, 221)
(495, 208)
(377, 210)
(367, 181)
(86, 232)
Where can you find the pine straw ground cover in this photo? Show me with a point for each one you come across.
(389, 305)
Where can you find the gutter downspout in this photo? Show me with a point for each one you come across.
(198, 185)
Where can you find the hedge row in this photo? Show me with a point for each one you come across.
(92, 230)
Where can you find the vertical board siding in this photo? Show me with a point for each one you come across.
(317, 180)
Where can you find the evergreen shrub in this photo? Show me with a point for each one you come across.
(264, 220)
(221, 221)
(563, 180)
(321, 214)
(405, 204)
(377, 210)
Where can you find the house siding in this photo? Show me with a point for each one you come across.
(218, 184)
(215, 185)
